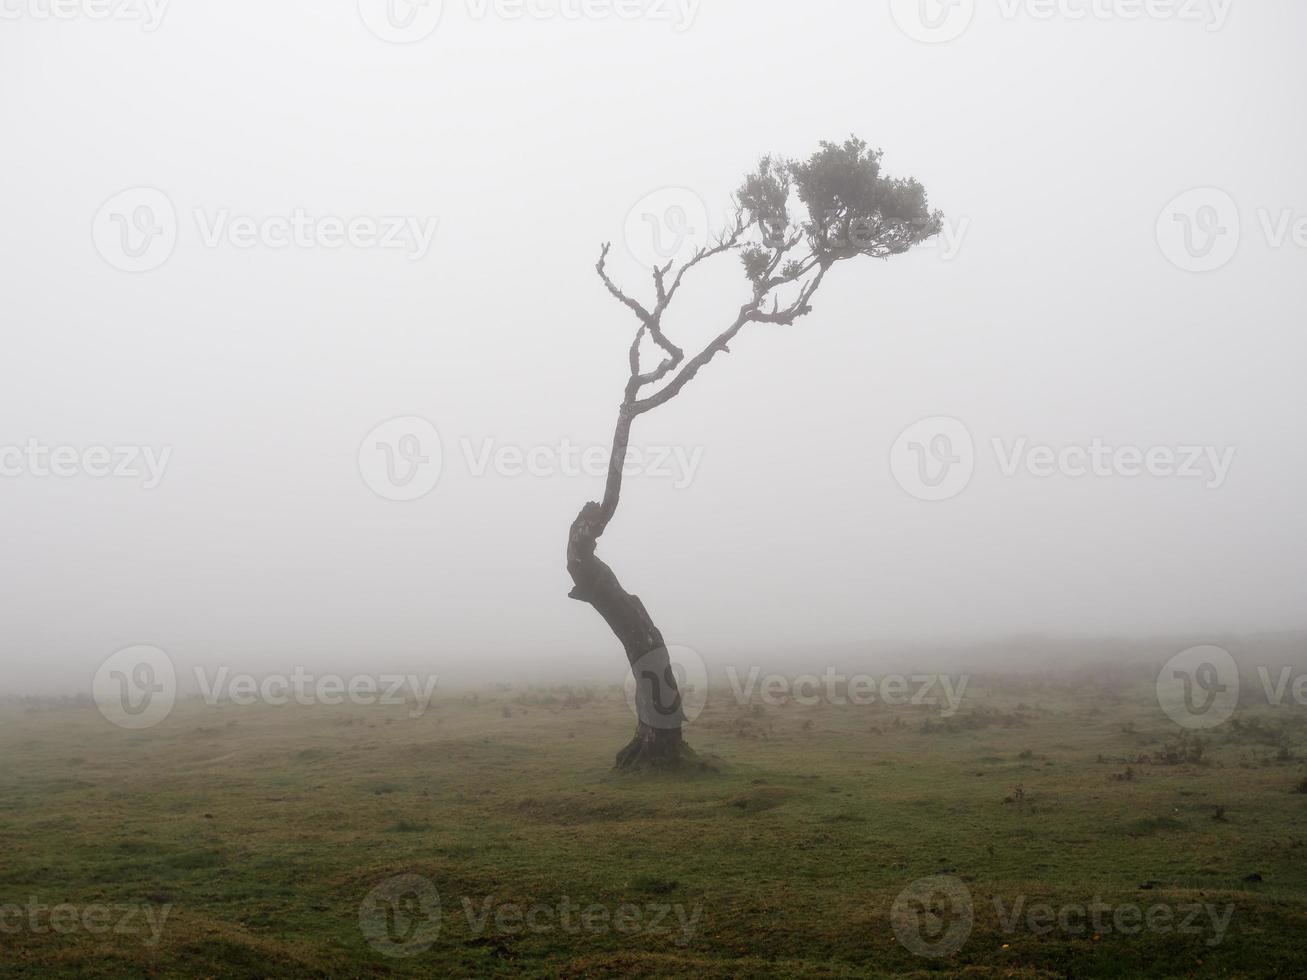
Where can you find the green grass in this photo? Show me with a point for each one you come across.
(262, 830)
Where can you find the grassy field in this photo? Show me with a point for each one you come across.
(248, 841)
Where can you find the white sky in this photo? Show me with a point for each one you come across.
(1052, 145)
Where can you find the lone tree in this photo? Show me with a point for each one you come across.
(852, 210)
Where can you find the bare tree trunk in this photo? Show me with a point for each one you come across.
(657, 742)
(895, 217)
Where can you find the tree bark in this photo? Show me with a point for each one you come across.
(657, 742)
(759, 205)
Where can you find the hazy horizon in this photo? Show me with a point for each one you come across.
(1029, 653)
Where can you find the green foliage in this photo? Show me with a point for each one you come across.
(765, 196)
(852, 208)
(756, 262)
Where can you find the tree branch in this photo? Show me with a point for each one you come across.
(651, 321)
(728, 241)
(692, 366)
(621, 297)
(749, 313)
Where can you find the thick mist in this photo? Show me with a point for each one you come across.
(364, 231)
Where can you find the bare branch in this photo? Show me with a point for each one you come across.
(695, 363)
(659, 275)
(660, 338)
(620, 296)
(660, 372)
(750, 313)
(616, 461)
(635, 351)
(781, 251)
(638, 380)
(726, 242)
(754, 312)
(805, 266)
(801, 306)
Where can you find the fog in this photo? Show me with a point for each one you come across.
(1052, 313)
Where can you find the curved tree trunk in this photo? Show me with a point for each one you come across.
(896, 220)
(657, 742)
